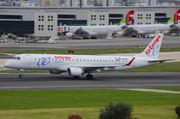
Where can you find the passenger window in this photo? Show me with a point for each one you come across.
(18, 58)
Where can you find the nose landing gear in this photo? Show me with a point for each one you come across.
(21, 75)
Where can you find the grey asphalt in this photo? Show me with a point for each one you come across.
(100, 81)
(91, 43)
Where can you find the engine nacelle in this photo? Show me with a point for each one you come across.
(120, 33)
(124, 27)
(73, 71)
(69, 34)
(54, 72)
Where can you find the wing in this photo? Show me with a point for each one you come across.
(129, 31)
(82, 32)
(174, 29)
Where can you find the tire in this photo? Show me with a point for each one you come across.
(89, 76)
(20, 76)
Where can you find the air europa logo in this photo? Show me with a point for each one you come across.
(43, 61)
(148, 50)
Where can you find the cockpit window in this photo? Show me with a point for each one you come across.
(14, 58)
(18, 58)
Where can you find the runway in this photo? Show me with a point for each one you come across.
(90, 44)
(100, 81)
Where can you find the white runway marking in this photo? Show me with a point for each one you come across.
(156, 90)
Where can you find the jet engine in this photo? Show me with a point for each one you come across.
(69, 34)
(73, 71)
(54, 71)
(124, 27)
(120, 33)
(173, 25)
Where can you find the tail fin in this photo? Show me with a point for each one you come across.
(152, 50)
(127, 19)
(175, 18)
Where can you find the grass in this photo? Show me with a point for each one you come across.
(58, 104)
(86, 51)
(3, 54)
(163, 67)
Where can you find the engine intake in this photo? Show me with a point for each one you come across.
(73, 71)
(69, 34)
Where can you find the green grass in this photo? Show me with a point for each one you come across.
(3, 54)
(163, 67)
(58, 104)
(86, 51)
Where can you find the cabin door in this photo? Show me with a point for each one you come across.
(29, 59)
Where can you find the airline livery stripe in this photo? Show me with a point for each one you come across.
(130, 62)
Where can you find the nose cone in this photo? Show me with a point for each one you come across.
(6, 64)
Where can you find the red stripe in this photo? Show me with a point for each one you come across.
(130, 62)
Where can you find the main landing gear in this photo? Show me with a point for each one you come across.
(21, 75)
(89, 76)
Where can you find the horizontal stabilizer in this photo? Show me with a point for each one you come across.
(160, 61)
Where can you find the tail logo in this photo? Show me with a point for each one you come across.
(155, 50)
(148, 50)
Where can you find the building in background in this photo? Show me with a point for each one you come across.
(44, 21)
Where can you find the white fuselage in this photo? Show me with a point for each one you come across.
(149, 29)
(96, 30)
(85, 62)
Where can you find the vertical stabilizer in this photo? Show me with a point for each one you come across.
(152, 50)
(127, 19)
(175, 18)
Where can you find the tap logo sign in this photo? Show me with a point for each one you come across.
(151, 47)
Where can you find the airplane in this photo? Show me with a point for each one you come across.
(84, 31)
(151, 28)
(77, 65)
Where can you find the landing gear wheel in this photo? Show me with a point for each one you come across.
(89, 76)
(20, 76)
